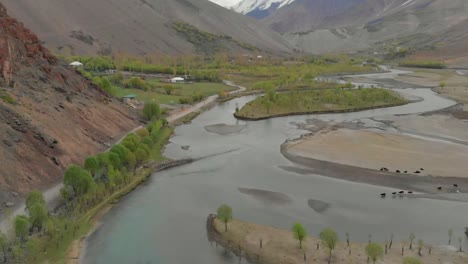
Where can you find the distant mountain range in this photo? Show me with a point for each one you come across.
(435, 28)
(143, 27)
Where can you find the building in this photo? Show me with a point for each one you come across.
(177, 80)
(130, 98)
(76, 64)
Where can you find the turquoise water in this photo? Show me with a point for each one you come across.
(163, 221)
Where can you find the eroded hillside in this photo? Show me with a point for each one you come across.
(140, 27)
(50, 116)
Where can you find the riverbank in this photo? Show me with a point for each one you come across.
(279, 246)
(95, 214)
(318, 102)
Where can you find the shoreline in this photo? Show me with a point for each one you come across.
(76, 248)
(278, 246)
(426, 185)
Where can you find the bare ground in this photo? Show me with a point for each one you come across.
(374, 150)
(279, 246)
(456, 83)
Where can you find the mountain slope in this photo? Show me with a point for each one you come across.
(138, 26)
(436, 26)
(50, 116)
(304, 15)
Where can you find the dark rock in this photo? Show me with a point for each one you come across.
(185, 147)
(55, 160)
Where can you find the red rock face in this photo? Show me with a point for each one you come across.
(50, 116)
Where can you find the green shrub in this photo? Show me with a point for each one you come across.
(424, 64)
(151, 111)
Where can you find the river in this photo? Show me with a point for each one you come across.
(163, 221)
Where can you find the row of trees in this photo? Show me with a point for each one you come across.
(329, 240)
(84, 187)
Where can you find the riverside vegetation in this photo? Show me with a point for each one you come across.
(328, 100)
(42, 236)
(269, 245)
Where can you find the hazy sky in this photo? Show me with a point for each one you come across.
(226, 2)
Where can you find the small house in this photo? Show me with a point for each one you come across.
(76, 64)
(177, 80)
(128, 99)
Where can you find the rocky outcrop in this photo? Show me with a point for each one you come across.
(50, 116)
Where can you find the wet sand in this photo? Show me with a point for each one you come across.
(265, 196)
(223, 129)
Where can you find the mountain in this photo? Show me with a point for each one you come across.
(304, 15)
(50, 116)
(143, 27)
(434, 28)
(260, 8)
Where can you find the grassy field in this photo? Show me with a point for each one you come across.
(298, 102)
(184, 91)
(279, 247)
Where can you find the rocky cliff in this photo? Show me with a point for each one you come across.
(50, 116)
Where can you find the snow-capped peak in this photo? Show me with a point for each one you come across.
(247, 6)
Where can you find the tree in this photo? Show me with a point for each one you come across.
(224, 214)
(92, 165)
(151, 111)
(412, 237)
(33, 248)
(391, 241)
(169, 89)
(460, 239)
(300, 233)
(329, 239)
(114, 160)
(38, 216)
(141, 155)
(420, 246)
(374, 251)
(268, 105)
(33, 198)
(347, 238)
(131, 161)
(450, 234)
(21, 225)
(4, 245)
(142, 132)
(78, 179)
(411, 260)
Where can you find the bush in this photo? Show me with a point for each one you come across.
(186, 100)
(424, 64)
(136, 83)
(151, 111)
(105, 85)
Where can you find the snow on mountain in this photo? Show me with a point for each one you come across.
(254, 6)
